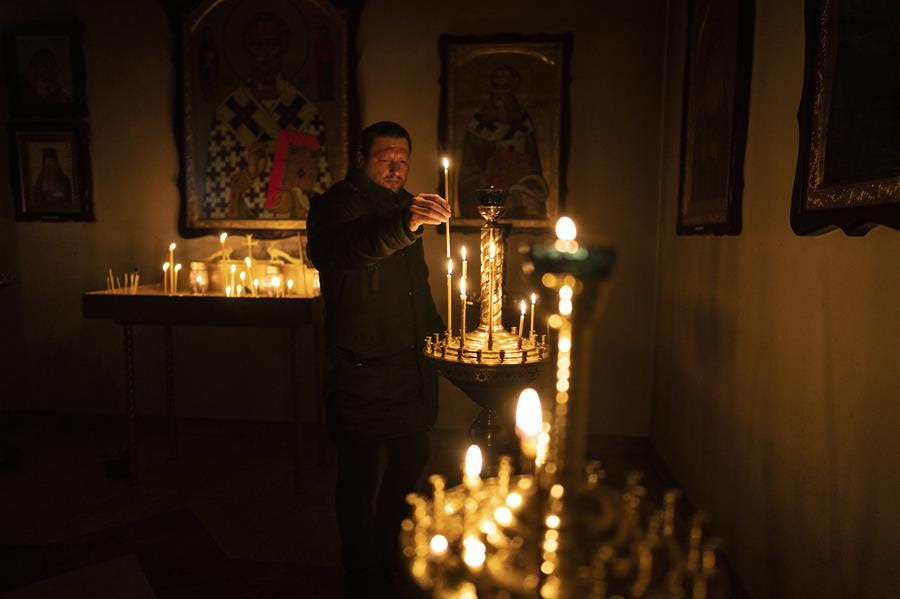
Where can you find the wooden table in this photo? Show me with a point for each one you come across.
(151, 307)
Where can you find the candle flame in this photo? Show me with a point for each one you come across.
(449, 267)
(438, 544)
(473, 461)
(565, 229)
(247, 261)
(177, 267)
(165, 266)
(223, 237)
(533, 298)
(233, 268)
(243, 276)
(463, 252)
(172, 247)
(290, 283)
(522, 307)
(529, 419)
(446, 163)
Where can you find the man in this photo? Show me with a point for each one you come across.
(266, 154)
(365, 237)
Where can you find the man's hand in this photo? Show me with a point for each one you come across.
(428, 209)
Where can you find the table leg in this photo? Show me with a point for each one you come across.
(170, 393)
(130, 410)
(319, 365)
(298, 434)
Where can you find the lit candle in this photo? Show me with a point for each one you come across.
(462, 311)
(255, 286)
(472, 470)
(233, 269)
(521, 319)
(227, 290)
(165, 278)
(249, 264)
(465, 262)
(531, 328)
(241, 286)
(175, 278)
(290, 285)
(449, 299)
(172, 262)
(492, 253)
(222, 239)
(529, 424)
(446, 162)
(472, 480)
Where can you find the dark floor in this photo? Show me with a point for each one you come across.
(221, 521)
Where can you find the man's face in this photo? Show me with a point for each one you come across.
(388, 162)
(265, 47)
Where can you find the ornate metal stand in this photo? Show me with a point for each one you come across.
(491, 365)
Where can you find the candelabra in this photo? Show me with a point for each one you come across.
(490, 364)
(558, 530)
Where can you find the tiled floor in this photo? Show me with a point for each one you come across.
(222, 521)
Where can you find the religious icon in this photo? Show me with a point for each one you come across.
(45, 70)
(504, 109)
(265, 121)
(51, 172)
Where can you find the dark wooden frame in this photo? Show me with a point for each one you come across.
(343, 136)
(854, 206)
(20, 106)
(727, 219)
(452, 148)
(73, 131)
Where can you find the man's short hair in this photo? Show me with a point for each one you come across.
(381, 129)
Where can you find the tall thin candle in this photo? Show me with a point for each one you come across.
(446, 162)
(165, 278)
(522, 319)
(172, 262)
(465, 262)
(175, 272)
(449, 300)
(462, 311)
(531, 328)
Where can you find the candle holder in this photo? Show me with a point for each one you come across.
(563, 532)
(199, 278)
(489, 363)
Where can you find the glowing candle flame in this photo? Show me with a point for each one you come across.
(529, 419)
(473, 461)
(438, 544)
(172, 247)
(446, 163)
(522, 307)
(533, 298)
(462, 251)
(223, 237)
(565, 229)
(165, 266)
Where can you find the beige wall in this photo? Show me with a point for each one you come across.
(777, 386)
(67, 363)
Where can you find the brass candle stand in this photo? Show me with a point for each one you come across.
(490, 364)
(561, 532)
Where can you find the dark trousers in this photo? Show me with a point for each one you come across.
(370, 525)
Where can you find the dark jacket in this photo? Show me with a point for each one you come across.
(378, 309)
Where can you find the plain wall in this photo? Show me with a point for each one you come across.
(66, 363)
(776, 392)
